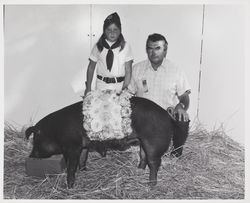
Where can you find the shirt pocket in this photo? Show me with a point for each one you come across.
(170, 87)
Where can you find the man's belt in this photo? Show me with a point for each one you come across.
(110, 80)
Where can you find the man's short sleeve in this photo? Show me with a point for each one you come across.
(183, 84)
(132, 85)
(134, 78)
(94, 55)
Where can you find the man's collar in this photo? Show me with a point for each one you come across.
(163, 65)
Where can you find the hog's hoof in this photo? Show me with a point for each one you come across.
(142, 165)
(152, 184)
(83, 168)
(70, 183)
(175, 154)
(103, 153)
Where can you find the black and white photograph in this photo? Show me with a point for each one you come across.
(124, 101)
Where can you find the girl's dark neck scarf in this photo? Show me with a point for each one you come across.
(110, 54)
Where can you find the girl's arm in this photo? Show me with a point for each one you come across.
(128, 74)
(90, 73)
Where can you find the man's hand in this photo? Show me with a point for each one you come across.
(182, 107)
(179, 109)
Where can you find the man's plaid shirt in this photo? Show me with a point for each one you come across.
(161, 86)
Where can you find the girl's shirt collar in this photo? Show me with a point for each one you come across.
(110, 43)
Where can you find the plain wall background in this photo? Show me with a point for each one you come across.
(47, 50)
(222, 98)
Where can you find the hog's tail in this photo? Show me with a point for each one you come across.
(29, 131)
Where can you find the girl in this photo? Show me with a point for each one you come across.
(112, 56)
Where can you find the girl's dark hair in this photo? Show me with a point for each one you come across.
(120, 39)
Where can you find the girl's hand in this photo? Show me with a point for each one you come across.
(124, 88)
(86, 91)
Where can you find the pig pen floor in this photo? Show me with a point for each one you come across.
(211, 167)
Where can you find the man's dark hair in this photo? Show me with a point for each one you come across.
(156, 37)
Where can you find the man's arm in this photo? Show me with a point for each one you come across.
(183, 106)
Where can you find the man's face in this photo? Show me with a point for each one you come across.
(156, 52)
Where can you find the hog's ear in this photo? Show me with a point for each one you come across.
(29, 131)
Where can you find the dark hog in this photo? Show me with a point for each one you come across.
(62, 132)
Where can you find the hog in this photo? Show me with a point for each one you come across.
(62, 132)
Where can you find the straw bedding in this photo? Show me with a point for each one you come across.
(211, 167)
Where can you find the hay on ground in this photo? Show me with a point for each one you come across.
(211, 167)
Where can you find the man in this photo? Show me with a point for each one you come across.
(159, 80)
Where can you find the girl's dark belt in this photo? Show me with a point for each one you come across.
(110, 80)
